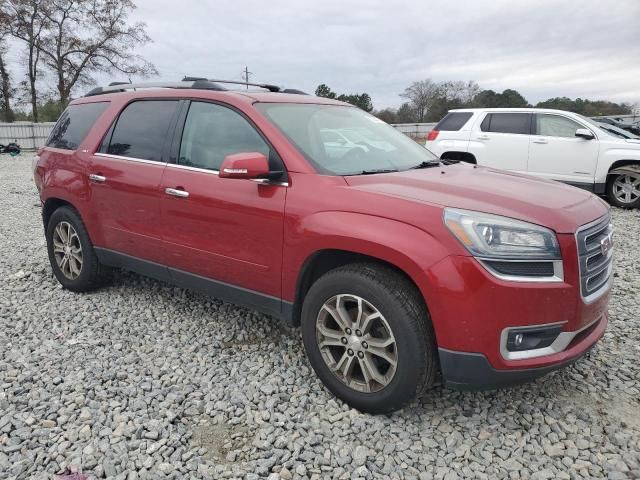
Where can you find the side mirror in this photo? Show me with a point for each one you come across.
(584, 133)
(245, 165)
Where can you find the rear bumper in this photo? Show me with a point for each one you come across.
(472, 371)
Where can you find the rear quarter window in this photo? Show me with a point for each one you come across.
(453, 121)
(74, 125)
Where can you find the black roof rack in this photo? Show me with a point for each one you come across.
(271, 88)
(186, 83)
(123, 86)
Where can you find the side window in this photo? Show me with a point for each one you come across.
(453, 121)
(484, 126)
(74, 124)
(556, 126)
(211, 132)
(142, 128)
(507, 123)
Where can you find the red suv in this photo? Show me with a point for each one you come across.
(395, 265)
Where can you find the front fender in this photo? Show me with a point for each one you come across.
(408, 248)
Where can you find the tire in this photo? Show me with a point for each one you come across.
(402, 312)
(90, 274)
(616, 193)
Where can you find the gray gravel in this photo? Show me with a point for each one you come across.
(144, 380)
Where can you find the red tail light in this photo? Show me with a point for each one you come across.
(432, 135)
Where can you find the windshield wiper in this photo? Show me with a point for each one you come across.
(374, 171)
(428, 164)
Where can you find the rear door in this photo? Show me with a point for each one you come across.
(556, 153)
(228, 232)
(502, 140)
(125, 178)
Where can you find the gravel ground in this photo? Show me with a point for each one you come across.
(144, 380)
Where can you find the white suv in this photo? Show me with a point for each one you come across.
(553, 144)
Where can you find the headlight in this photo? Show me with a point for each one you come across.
(495, 237)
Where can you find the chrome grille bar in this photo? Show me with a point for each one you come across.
(595, 258)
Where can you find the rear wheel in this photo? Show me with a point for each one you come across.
(71, 253)
(623, 190)
(368, 337)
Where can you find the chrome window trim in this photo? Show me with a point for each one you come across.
(130, 159)
(261, 181)
(559, 344)
(558, 271)
(195, 169)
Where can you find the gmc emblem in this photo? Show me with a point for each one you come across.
(606, 244)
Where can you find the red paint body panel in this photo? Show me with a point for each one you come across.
(126, 207)
(227, 229)
(259, 237)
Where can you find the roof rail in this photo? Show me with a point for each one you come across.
(271, 88)
(122, 86)
(186, 83)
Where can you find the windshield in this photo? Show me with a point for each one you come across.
(341, 140)
(607, 129)
(618, 132)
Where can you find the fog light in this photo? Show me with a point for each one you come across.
(530, 338)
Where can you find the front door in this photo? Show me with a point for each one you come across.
(125, 179)
(221, 229)
(556, 153)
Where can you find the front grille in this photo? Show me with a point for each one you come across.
(595, 265)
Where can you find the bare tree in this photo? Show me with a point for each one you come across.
(422, 95)
(6, 91)
(27, 23)
(88, 36)
(459, 90)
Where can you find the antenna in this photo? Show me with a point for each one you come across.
(245, 75)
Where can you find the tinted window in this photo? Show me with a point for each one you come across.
(74, 124)
(453, 121)
(211, 132)
(556, 126)
(507, 123)
(141, 129)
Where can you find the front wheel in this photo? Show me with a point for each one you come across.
(368, 337)
(623, 190)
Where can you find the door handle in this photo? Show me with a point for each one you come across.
(175, 192)
(541, 141)
(97, 178)
(484, 137)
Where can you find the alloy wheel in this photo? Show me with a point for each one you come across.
(67, 250)
(356, 343)
(626, 188)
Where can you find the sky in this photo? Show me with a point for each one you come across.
(542, 48)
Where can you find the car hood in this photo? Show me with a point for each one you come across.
(543, 202)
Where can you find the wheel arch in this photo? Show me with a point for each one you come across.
(622, 166)
(50, 205)
(459, 156)
(325, 260)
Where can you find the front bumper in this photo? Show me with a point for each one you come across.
(472, 371)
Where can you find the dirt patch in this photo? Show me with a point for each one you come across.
(220, 439)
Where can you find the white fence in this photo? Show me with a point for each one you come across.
(414, 130)
(26, 134)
